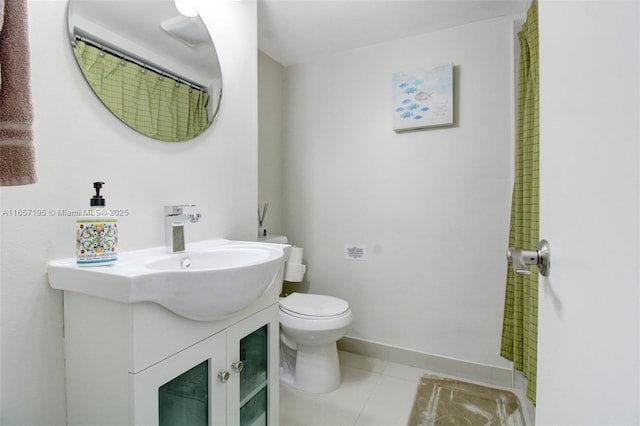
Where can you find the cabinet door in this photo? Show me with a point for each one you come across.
(253, 392)
(184, 388)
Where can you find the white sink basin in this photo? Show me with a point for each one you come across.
(211, 280)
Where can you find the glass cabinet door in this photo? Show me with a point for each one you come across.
(183, 389)
(254, 343)
(253, 378)
(185, 399)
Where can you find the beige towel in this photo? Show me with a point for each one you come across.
(1, 13)
(1, 22)
(17, 152)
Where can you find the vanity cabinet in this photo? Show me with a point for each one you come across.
(222, 380)
(142, 365)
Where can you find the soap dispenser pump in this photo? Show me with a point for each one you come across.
(97, 233)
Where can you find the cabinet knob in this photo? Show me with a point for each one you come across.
(237, 366)
(223, 376)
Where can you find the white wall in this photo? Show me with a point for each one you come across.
(432, 206)
(270, 134)
(78, 142)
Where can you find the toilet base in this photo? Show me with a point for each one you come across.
(317, 368)
(287, 364)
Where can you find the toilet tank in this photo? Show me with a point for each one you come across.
(293, 270)
(277, 239)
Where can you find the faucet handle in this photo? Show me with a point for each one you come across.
(176, 210)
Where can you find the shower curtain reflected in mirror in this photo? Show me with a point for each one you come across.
(520, 323)
(148, 102)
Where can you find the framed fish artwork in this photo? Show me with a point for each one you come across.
(423, 98)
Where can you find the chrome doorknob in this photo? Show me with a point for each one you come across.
(519, 258)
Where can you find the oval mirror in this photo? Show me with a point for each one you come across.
(154, 68)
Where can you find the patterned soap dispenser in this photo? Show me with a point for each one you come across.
(97, 234)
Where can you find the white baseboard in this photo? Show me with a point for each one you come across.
(494, 375)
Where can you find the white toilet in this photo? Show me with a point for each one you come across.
(310, 326)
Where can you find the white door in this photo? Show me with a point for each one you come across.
(589, 331)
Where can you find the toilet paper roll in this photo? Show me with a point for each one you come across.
(296, 255)
(294, 272)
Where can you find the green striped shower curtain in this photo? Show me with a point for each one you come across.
(149, 103)
(520, 325)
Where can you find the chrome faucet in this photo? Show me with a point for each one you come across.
(174, 221)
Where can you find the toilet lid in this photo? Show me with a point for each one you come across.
(314, 305)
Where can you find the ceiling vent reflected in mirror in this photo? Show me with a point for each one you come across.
(190, 31)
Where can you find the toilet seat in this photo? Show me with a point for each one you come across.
(313, 306)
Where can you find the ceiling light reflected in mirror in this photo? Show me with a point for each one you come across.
(186, 8)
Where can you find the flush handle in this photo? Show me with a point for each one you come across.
(520, 258)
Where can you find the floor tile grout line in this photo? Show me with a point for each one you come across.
(371, 392)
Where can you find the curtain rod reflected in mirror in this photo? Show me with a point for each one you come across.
(160, 75)
(142, 63)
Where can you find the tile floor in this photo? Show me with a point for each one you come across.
(374, 392)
